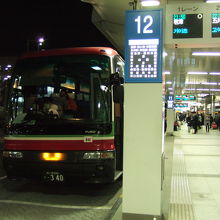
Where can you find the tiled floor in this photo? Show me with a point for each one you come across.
(202, 161)
(202, 166)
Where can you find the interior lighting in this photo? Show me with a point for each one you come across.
(212, 1)
(206, 53)
(146, 3)
(197, 73)
(202, 94)
(215, 73)
(191, 89)
(209, 83)
(202, 89)
(215, 90)
(167, 73)
(192, 83)
(168, 82)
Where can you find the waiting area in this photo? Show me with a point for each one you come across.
(195, 185)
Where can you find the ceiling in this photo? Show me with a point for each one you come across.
(108, 16)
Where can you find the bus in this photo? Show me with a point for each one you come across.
(47, 139)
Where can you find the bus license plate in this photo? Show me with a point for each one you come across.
(53, 177)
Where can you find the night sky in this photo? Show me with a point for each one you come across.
(63, 24)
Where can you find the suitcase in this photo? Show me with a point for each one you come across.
(214, 125)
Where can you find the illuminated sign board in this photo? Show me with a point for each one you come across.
(215, 24)
(143, 46)
(181, 105)
(185, 97)
(187, 26)
(170, 101)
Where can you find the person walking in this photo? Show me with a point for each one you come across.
(207, 122)
(195, 122)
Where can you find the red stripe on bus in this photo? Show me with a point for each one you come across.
(58, 145)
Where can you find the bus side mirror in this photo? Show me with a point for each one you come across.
(115, 79)
(118, 94)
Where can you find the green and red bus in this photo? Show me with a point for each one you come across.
(46, 139)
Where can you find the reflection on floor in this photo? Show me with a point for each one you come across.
(195, 191)
(201, 154)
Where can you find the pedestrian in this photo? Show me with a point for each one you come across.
(189, 122)
(195, 122)
(207, 122)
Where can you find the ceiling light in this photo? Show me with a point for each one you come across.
(150, 2)
(167, 73)
(197, 73)
(215, 73)
(206, 53)
(202, 89)
(191, 89)
(209, 83)
(212, 1)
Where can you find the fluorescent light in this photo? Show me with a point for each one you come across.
(190, 89)
(150, 3)
(167, 73)
(168, 82)
(197, 73)
(202, 89)
(215, 90)
(206, 53)
(209, 83)
(165, 54)
(212, 1)
(215, 73)
(192, 83)
(202, 94)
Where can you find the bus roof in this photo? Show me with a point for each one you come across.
(71, 51)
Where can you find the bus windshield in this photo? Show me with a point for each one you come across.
(54, 94)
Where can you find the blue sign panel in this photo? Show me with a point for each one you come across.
(143, 46)
(170, 101)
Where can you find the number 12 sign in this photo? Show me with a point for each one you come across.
(143, 46)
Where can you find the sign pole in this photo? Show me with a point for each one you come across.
(143, 130)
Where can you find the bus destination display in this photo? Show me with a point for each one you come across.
(215, 24)
(187, 26)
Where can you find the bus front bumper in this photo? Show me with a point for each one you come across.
(74, 167)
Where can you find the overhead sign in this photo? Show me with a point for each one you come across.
(215, 24)
(143, 49)
(181, 105)
(187, 25)
(170, 101)
(192, 23)
(185, 97)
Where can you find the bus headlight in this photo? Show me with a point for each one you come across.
(98, 155)
(13, 154)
